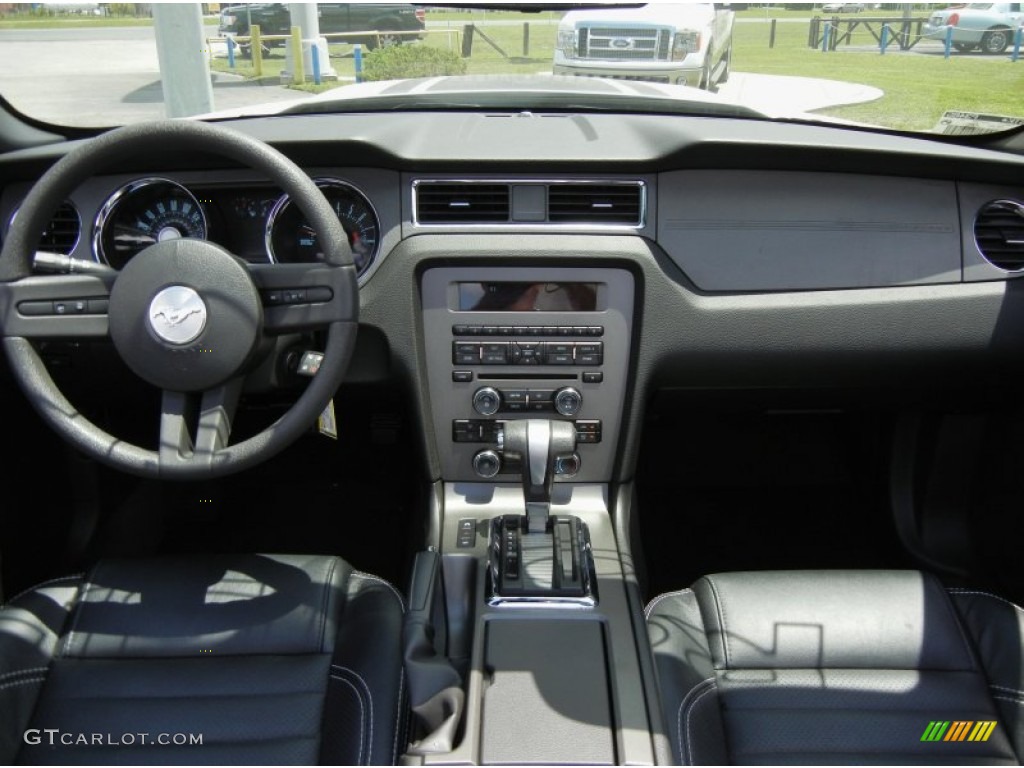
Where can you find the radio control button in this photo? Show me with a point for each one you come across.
(568, 401)
(486, 401)
(465, 353)
(494, 354)
(540, 400)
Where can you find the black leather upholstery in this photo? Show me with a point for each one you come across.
(270, 659)
(835, 667)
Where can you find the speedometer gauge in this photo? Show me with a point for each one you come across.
(291, 239)
(142, 213)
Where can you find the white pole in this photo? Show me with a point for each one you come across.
(184, 66)
(306, 17)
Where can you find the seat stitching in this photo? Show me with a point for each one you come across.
(40, 585)
(997, 687)
(963, 636)
(679, 712)
(26, 681)
(369, 698)
(362, 715)
(395, 592)
(323, 609)
(689, 711)
(659, 598)
(78, 609)
(398, 714)
(720, 610)
(961, 591)
(1007, 698)
(25, 671)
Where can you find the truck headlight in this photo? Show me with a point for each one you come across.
(567, 42)
(684, 44)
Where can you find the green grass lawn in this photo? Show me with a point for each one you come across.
(30, 21)
(918, 88)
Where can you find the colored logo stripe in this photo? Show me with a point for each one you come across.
(958, 730)
(982, 730)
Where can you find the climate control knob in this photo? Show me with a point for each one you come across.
(486, 401)
(568, 401)
(487, 463)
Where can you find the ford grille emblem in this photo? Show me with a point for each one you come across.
(622, 43)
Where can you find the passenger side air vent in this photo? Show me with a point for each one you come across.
(62, 233)
(999, 233)
(596, 204)
(461, 203)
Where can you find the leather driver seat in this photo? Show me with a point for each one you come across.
(853, 667)
(270, 659)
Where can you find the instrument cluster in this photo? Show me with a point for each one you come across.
(257, 223)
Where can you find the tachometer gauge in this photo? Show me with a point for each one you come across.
(142, 213)
(291, 239)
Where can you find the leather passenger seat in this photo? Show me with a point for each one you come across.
(852, 667)
(270, 659)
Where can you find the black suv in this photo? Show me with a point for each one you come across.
(380, 20)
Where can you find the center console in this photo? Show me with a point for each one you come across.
(508, 343)
(527, 371)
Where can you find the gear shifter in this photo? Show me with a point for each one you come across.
(541, 447)
(537, 556)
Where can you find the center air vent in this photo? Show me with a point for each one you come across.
(595, 203)
(461, 203)
(61, 234)
(999, 233)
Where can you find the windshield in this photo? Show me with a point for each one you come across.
(911, 67)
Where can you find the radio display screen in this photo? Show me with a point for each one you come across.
(527, 297)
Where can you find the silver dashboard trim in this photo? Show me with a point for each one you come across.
(538, 225)
(119, 195)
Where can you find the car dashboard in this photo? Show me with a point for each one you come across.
(576, 267)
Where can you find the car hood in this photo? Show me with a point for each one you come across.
(515, 92)
(660, 13)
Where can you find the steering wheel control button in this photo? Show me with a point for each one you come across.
(486, 401)
(177, 314)
(185, 315)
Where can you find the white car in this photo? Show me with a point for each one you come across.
(675, 43)
(988, 26)
(842, 7)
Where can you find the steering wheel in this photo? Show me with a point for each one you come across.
(185, 315)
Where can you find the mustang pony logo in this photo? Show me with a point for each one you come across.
(175, 316)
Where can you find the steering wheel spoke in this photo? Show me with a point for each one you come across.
(196, 427)
(298, 297)
(55, 306)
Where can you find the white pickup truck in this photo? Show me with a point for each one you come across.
(676, 43)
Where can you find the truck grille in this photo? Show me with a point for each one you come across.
(624, 44)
